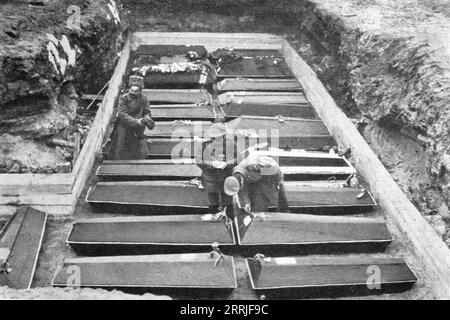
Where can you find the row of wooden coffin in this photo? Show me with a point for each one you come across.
(252, 125)
(272, 233)
(184, 197)
(253, 64)
(182, 97)
(277, 132)
(295, 165)
(194, 112)
(195, 81)
(215, 273)
(182, 139)
(246, 234)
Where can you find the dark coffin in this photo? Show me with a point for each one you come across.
(149, 170)
(235, 110)
(148, 197)
(145, 235)
(185, 112)
(295, 158)
(157, 51)
(167, 148)
(169, 271)
(279, 232)
(316, 197)
(164, 146)
(182, 194)
(304, 165)
(22, 237)
(146, 171)
(242, 84)
(167, 96)
(178, 128)
(253, 64)
(270, 98)
(179, 80)
(328, 274)
(286, 127)
(284, 133)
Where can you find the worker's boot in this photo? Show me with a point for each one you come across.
(229, 211)
(213, 209)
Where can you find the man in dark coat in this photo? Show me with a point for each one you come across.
(133, 117)
(217, 158)
(258, 182)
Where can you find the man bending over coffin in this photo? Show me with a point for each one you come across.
(133, 117)
(217, 158)
(258, 182)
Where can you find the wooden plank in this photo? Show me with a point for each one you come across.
(9, 232)
(429, 249)
(194, 271)
(326, 272)
(34, 198)
(167, 96)
(246, 84)
(9, 210)
(93, 144)
(24, 250)
(144, 235)
(21, 184)
(282, 229)
(91, 97)
(211, 41)
(94, 135)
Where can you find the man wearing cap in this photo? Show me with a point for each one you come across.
(217, 158)
(258, 182)
(133, 117)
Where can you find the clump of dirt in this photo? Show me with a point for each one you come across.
(49, 55)
(73, 294)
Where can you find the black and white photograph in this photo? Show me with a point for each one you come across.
(224, 154)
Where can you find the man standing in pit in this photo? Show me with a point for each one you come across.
(133, 117)
(217, 158)
(258, 182)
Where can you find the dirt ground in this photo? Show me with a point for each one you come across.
(397, 61)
